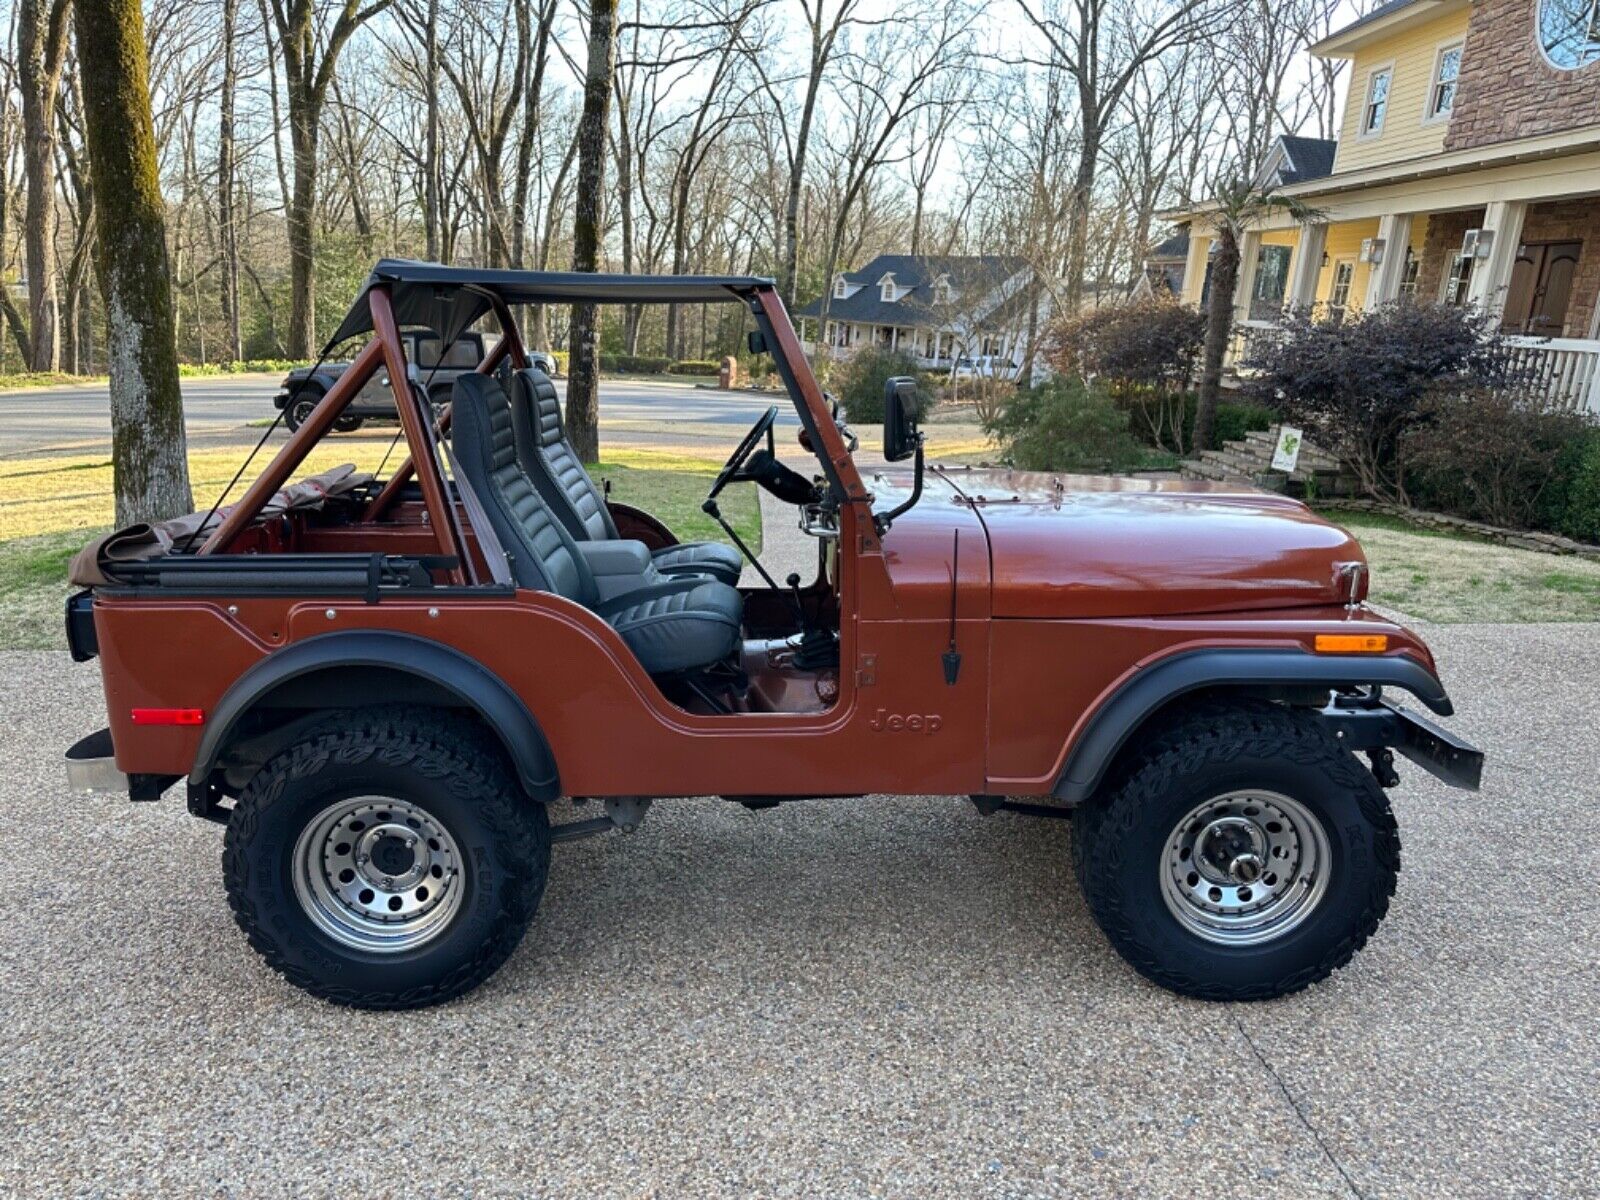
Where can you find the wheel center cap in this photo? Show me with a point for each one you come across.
(1231, 850)
(392, 857)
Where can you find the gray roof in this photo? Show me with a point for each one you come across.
(448, 299)
(1175, 247)
(1309, 158)
(969, 274)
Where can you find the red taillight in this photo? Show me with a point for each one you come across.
(169, 716)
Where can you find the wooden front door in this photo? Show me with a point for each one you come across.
(1541, 287)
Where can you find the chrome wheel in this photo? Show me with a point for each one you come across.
(378, 874)
(1245, 867)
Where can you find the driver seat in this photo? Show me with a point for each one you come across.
(547, 457)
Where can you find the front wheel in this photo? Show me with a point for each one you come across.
(300, 407)
(387, 860)
(1243, 855)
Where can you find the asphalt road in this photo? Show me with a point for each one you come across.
(883, 997)
(217, 411)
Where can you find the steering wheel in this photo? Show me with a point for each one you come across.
(730, 470)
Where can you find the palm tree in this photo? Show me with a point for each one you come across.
(1238, 204)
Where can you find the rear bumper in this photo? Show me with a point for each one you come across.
(92, 765)
(1385, 725)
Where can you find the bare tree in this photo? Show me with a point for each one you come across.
(310, 56)
(41, 55)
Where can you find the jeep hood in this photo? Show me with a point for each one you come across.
(1086, 546)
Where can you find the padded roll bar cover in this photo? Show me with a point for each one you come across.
(439, 664)
(1120, 717)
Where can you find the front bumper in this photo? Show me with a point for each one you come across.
(1377, 724)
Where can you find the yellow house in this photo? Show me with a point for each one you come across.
(1467, 171)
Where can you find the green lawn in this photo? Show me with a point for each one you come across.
(49, 508)
(1453, 579)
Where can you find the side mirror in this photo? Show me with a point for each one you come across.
(756, 341)
(900, 408)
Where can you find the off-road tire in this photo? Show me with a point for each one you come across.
(311, 392)
(445, 763)
(1119, 838)
(347, 424)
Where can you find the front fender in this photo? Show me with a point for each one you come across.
(449, 669)
(1120, 717)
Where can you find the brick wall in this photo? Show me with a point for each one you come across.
(1508, 90)
(1572, 221)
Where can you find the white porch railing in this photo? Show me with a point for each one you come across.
(1566, 369)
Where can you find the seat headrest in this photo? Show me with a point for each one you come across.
(541, 395)
(480, 418)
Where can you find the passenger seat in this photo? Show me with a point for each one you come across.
(673, 625)
(549, 460)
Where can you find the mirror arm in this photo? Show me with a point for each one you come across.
(882, 521)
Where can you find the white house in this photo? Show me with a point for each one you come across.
(935, 308)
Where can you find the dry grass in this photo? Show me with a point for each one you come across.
(50, 507)
(1454, 580)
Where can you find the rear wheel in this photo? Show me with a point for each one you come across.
(1243, 855)
(388, 860)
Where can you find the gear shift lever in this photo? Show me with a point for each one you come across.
(815, 648)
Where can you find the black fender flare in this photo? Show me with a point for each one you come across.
(479, 689)
(1119, 717)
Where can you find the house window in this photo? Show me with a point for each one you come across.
(1271, 283)
(838, 287)
(886, 292)
(1377, 102)
(1569, 32)
(1408, 276)
(941, 290)
(1442, 97)
(1344, 272)
(1457, 280)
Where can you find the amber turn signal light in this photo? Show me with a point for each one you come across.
(1352, 643)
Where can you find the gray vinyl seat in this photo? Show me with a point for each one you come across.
(672, 625)
(549, 460)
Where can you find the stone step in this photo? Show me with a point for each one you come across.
(1267, 441)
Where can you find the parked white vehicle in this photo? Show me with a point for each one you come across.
(986, 366)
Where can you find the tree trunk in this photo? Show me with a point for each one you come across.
(430, 151)
(150, 470)
(302, 210)
(1219, 328)
(227, 220)
(583, 384)
(41, 51)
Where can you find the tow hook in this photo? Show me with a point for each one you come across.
(1383, 771)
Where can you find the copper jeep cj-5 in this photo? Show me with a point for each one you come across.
(379, 684)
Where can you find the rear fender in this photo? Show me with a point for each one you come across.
(430, 662)
(1256, 672)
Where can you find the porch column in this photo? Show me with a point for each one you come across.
(1491, 277)
(1383, 279)
(1194, 268)
(1249, 260)
(1307, 266)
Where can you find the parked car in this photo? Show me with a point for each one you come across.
(986, 366)
(303, 388)
(379, 686)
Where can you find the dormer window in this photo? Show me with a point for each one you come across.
(838, 287)
(886, 289)
(941, 290)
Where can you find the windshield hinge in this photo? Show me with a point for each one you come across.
(866, 670)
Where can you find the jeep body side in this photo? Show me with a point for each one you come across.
(1035, 642)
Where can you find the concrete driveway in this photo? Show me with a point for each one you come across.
(891, 996)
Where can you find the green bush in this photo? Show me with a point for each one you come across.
(635, 364)
(861, 380)
(1572, 506)
(272, 366)
(696, 366)
(561, 357)
(1236, 420)
(1063, 425)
